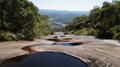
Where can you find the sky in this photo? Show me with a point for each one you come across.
(70, 5)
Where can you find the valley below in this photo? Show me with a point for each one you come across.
(60, 18)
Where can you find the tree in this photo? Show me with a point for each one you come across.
(102, 22)
(105, 4)
(19, 18)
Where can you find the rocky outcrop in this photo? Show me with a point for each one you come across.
(94, 53)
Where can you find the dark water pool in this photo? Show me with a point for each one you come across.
(65, 44)
(45, 59)
(69, 44)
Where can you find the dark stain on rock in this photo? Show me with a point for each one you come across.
(29, 49)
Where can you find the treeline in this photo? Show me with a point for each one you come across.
(20, 20)
(102, 22)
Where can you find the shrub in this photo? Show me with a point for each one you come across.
(7, 36)
(117, 36)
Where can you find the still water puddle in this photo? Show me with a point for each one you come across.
(69, 44)
(44, 59)
(65, 44)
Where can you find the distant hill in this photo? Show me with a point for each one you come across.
(60, 18)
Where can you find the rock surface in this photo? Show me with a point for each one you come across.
(96, 53)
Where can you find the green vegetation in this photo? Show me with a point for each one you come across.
(102, 22)
(20, 20)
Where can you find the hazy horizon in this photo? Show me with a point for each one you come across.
(64, 10)
(68, 5)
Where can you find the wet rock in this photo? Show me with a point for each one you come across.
(61, 39)
(76, 43)
(54, 44)
(29, 49)
(54, 39)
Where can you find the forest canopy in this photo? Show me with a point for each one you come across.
(102, 22)
(20, 20)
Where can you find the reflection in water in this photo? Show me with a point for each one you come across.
(45, 59)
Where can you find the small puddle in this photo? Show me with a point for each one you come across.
(44, 59)
(64, 44)
(69, 44)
